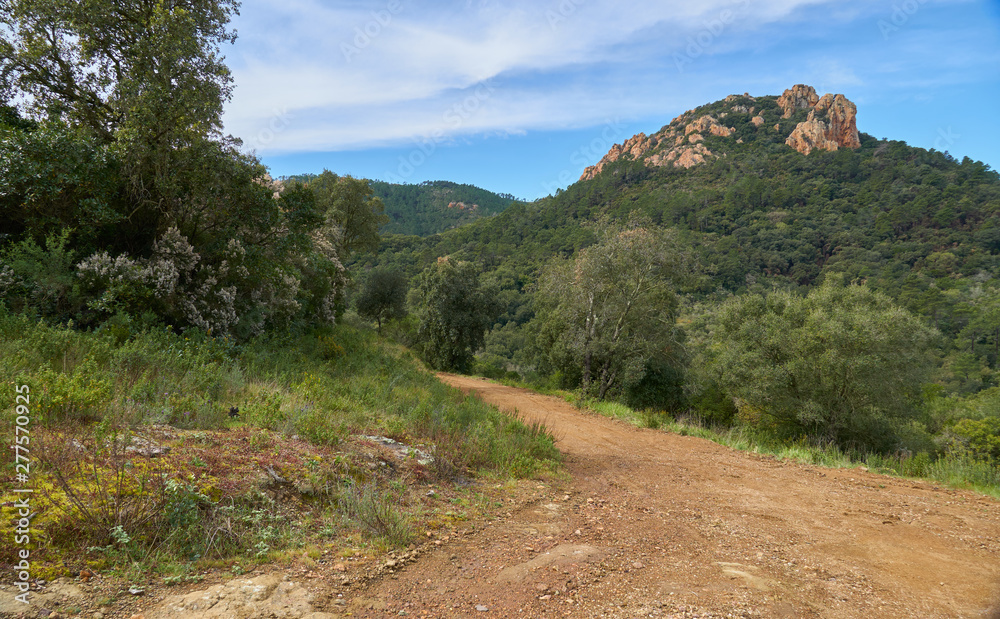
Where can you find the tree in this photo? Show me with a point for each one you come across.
(842, 364)
(613, 308)
(351, 204)
(121, 165)
(133, 69)
(146, 78)
(383, 296)
(454, 310)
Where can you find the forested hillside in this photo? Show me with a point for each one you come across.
(430, 207)
(751, 214)
(435, 206)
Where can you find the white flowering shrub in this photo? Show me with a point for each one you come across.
(177, 284)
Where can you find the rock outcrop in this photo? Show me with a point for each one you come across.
(798, 97)
(831, 124)
(681, 143)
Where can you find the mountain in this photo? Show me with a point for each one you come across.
(769, 191)
(429, 207)
(806, 121)
(435, 206)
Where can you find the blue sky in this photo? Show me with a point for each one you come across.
(518, 96)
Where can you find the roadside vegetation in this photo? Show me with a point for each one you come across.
(140, 465)
(176, 322)
(959, 466)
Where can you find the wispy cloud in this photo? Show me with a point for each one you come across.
(358, 74)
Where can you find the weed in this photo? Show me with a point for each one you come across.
(377, 511)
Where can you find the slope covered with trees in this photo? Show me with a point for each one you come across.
(435, 206)
(430, 207)
(915, 228)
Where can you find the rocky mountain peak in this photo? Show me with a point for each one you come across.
(831, 124)
(798, 97)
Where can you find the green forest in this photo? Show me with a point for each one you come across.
(430, 207)
(769, 289)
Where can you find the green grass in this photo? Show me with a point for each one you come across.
(325, 386)
(950, 469)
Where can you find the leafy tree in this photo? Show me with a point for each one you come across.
(145, 77)
(841, 364)
(350, 204)
(982, 333)
(454, 310)
(382, 297)
(121, 165)
(979, 438)
(613, 308)
(148, 72)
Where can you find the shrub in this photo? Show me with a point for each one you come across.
(377, 511)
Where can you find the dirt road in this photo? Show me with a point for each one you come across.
(656, 524)
(650, 524)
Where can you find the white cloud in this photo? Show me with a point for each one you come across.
(334, 76)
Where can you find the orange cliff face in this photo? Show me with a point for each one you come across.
(831, 124)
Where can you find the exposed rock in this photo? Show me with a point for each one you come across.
(685, 137)
(565, 554)
(832, 124)
(798, 97)
(59, 593)
(690, 157)
(841, 120)
(636, 146)
(145, 447)
(707, 124)
(400, 450)
(265, 596)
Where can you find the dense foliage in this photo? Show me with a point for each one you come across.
(119, 195)
(605, 314)
(915, 226)
(435, 206)
(454, 310)
(842, 364)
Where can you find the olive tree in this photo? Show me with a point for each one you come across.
(454, 310)
(842, 364)
(613, 307)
